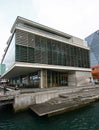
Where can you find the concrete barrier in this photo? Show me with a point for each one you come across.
(23, 101)
(44, 96)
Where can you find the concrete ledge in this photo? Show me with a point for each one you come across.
(23, 101)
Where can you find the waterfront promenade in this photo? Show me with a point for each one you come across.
(50, 101)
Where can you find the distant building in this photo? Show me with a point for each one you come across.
(2, 70)
(40, 56)
(93, 44)
(95, 73)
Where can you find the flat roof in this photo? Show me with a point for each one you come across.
(40, 26)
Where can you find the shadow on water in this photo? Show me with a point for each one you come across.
(86, 118)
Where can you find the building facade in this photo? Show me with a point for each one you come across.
(39, 56)
(93, 44)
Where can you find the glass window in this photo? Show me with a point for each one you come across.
(9, 58)
(21, 53)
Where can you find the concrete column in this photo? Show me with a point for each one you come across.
(55, 80)
(28, 80)
(41, 81)
(72, 78)
(46, 80)
(58, 79)
(83, 78)
(51, 84)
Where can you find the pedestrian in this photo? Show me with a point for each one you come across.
(16, 87)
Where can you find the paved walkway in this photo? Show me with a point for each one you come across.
(68, 88)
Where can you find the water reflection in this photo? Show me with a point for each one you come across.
(82, 119)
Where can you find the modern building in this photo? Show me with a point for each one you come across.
(93, 44)
(39, 56)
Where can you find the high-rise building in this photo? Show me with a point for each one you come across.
(93, 44)
(39, 56)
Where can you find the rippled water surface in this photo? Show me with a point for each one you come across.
(83, 119)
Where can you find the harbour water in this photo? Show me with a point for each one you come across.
(86, 118)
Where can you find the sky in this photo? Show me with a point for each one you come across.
(79, 18)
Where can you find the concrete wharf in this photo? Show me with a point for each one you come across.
(50, 101)
(66, 102)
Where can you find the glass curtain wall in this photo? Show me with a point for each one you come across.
(9, 58)
(55, 79)
(31, 80)
(35, 79)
